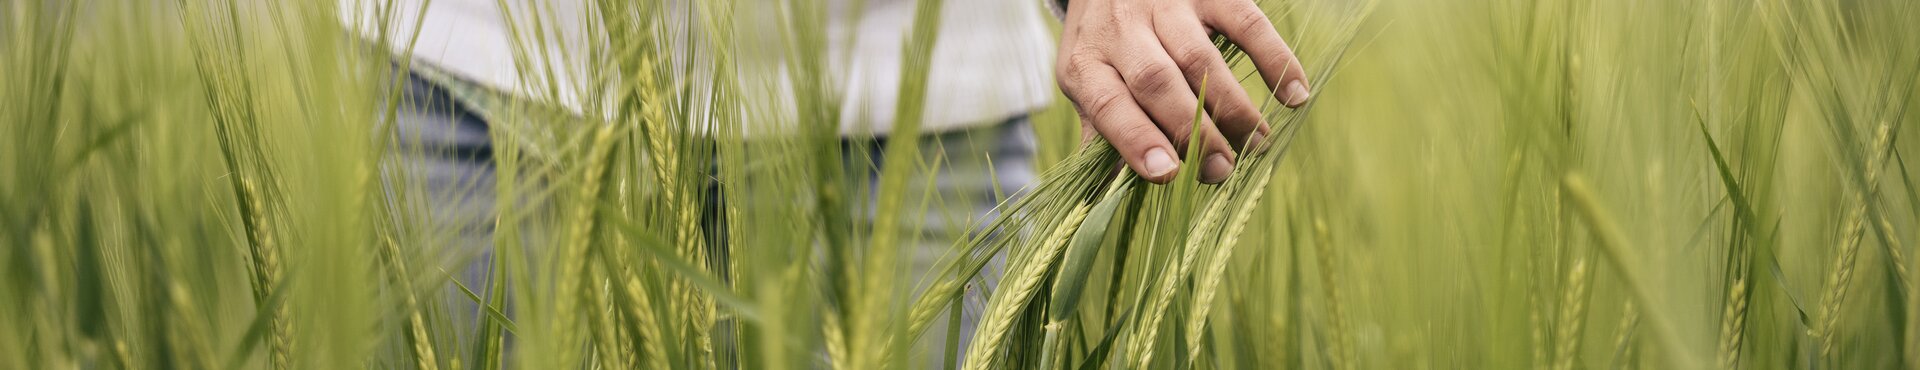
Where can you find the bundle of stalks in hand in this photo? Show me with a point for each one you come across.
(1165, 248)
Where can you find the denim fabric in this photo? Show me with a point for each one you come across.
(978, 169)
(445, 150)
(441, 173)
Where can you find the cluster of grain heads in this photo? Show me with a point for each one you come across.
(1627, 265)
(1842, 56)
(1338, 355)
(1742, 256)
(219, 51)
(1573, 313)
(572, 282)
(1733, 325)
(1076, 263)
(1170, 245)
(420, 341)
(191, 184)
(1084, 248)
(874, 323)
(1022, 282)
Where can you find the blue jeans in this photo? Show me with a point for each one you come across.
(446, 153)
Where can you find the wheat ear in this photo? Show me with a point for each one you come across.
(1015, 292)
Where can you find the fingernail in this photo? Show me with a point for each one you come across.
(1160, 163)
(1296, 93)
(1217, 169)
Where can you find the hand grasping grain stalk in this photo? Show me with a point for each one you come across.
(1160, 294)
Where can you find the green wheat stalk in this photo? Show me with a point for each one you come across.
(1840, 275)
(1015, 291)
(1627, 264)
(1572, 315)
(1338, 354)
(230, 98)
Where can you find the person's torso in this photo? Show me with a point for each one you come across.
(992, 60)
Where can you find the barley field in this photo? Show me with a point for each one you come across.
(1477, 184)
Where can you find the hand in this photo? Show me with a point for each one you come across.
(1133, 69)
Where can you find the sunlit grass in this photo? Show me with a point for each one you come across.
(1477, 185)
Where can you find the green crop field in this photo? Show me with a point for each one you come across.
(1477, 184)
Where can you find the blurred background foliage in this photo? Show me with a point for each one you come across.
(1498, 184)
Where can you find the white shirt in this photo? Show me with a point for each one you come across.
(992, 60)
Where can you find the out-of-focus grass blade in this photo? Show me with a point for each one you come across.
(666, 256)
(1627, 264)
(1743, 211)
(258, 328)
(493, 313)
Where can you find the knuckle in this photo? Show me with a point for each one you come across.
(1237, 114)
(1154, 79)
(1122, 15)
(1135, 134)
(1196, 60)
(1099, 107)
(1066, 73)
(1177, 132)
(1250, 23)
(1073, 68)
(1085, 54)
